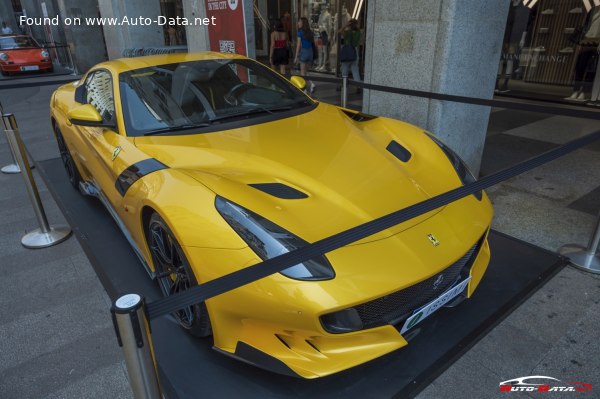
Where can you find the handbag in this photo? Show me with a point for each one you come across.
(314, 49)
(347, 53)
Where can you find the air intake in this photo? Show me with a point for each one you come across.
(398, 151)
(279, 190)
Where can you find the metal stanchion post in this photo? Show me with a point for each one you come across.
(131, 327)
(46, 235)
(13, 167)
(344, 91)
(73, 66)
(584, 258)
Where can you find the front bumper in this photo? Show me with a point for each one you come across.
(274, 322)
(309, 355)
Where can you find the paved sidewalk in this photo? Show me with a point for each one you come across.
(57, 337)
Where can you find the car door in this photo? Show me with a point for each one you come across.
(110, 153)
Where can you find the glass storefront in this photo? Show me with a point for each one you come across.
(326, 18)
(550, 51)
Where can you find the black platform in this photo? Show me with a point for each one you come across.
(191, 369)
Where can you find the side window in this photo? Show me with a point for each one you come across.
(99, 93)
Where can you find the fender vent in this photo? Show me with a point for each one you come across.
(279, 190)
(398, 151)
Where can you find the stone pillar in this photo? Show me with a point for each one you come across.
(197, 36)
(441, 46)
(119, 38)
(85, 41)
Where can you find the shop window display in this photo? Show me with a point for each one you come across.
(327, 17)
(551, 50)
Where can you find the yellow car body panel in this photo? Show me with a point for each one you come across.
(349, 178)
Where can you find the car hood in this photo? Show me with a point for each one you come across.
(342, 166)
(24, 55)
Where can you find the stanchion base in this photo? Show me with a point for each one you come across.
(11, 169)
(37, 239)
(580, 258)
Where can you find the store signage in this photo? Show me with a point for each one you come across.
(228, 34)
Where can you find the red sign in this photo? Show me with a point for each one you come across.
(228, 35)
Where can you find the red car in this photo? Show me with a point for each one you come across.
(20, 53)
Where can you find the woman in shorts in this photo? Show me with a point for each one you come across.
(280, 50)
(304, 49)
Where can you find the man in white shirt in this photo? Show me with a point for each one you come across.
(6, 30)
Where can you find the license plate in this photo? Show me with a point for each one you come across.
(434, 305)
(30, 68)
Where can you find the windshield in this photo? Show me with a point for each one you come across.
(166, 99)
(13, 42)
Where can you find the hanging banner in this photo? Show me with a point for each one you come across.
(228, 35)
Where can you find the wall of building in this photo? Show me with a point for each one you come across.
(442, 46)
(85, 41)
(119, 38)
(197, 36)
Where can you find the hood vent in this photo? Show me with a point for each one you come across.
(398, 151)
(279, 190)
(358, 116)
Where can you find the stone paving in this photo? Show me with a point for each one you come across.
(57, 340)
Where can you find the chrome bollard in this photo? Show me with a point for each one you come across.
(46, 235)
(344, 91)
(12, 168)
(584, 258)
(132, 329)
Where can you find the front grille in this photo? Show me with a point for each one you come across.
(396, 307)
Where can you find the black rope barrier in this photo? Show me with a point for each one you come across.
(547, 109)
(252, 273)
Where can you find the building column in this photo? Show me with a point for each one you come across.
(441, 46)
(86, 42)
(119, 38)
(197, 36)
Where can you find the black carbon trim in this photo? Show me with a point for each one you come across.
(136, 172)
(359, 116)
(251, 355)
(397, 150)
(279, 190)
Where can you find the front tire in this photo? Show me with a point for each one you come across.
(67, 159)
(174, 275)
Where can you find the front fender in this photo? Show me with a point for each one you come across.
(187, 206)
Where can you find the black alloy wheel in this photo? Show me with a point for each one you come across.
(67, 159)
(174, 275)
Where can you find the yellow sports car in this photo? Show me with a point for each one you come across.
(211, 163)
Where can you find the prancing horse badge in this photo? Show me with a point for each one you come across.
(116, 152)
(434, 241)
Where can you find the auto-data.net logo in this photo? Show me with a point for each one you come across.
(540, 383)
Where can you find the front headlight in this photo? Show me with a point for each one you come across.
(45, 54)
(3, 57)
(269, 240)
(459, 165)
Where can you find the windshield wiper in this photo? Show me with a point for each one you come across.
(252, 111)
(170, 129)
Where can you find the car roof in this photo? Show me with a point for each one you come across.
(127, 64)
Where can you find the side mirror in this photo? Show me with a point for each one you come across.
(298, 81)
(87, 115)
